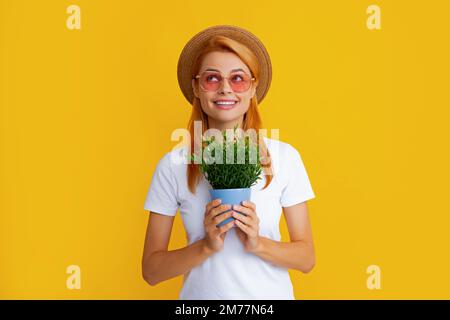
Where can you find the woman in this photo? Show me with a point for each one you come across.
(224, 72)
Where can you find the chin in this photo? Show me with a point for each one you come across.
(226, 118)
(225, 115)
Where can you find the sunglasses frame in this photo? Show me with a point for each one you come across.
(227, 78)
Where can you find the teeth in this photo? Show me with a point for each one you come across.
(225, 102)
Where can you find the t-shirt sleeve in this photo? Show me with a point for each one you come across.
(161, 196)
(298, 188)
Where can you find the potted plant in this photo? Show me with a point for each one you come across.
(231, 165)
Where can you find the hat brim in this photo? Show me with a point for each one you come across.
(199, 41)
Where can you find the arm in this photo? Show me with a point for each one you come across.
(299, 253)
(158, 264)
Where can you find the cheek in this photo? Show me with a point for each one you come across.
(245, 102)
(205, 99)
(247, 97)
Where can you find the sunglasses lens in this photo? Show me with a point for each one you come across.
(212, 81)
(239, 82)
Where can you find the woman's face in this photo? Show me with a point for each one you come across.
(224, 116)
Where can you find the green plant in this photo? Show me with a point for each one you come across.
(240, 164)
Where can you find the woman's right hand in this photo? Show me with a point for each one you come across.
(214, 236)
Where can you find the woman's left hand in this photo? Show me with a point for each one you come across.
(248, 225)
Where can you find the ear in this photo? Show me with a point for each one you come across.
(194, 88)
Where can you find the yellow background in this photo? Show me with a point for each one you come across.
(86, 114)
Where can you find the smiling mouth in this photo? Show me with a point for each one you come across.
(225, 105)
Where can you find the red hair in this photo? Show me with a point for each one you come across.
(252, 119)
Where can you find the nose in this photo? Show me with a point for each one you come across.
(225, 86)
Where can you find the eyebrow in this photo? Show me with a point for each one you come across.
(234, 70)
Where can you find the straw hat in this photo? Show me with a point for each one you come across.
(192, 49)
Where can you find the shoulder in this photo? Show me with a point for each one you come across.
(173, 159)
(282, 150)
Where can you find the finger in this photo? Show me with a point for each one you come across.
(226, 227)
(218, 210)
(221, 217)
(213, 204)
(243, 227)
(246, 220)
(249, 204)
(215, 211)
(252, 224)
(212, 222)
(247, 211)
(239, 232)
(250, 211)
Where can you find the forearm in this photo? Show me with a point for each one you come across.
(164, 265)
(297, 255)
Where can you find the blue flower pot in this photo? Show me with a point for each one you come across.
(230, 196)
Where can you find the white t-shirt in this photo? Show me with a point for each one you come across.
(232, 273)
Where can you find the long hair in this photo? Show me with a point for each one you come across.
(252, 119)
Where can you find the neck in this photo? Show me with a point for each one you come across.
(213, 123)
